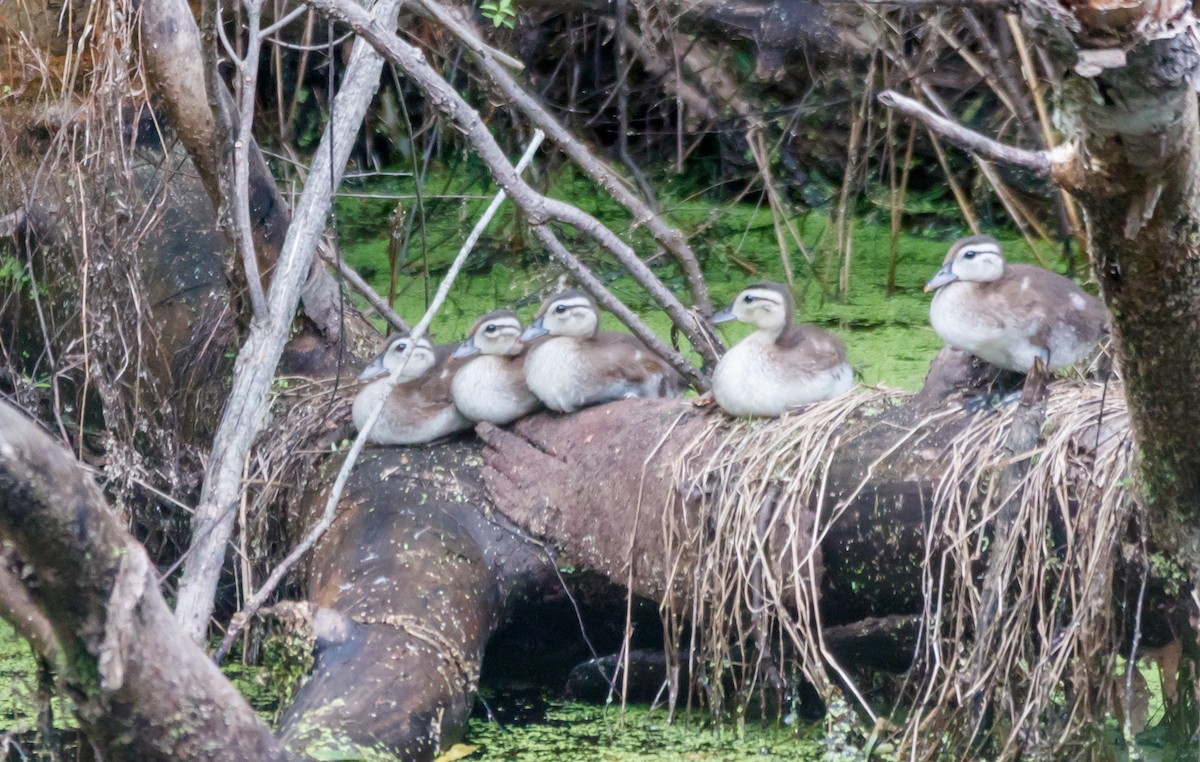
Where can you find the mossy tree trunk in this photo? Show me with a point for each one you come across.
(1135, 127)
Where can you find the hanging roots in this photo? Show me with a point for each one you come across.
(749, 617)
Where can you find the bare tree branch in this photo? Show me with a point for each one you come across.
(1041, 162)
(247, 68)
(245, 410)
(377, 302)
(141, 688)
(666, 235)
(538, 208)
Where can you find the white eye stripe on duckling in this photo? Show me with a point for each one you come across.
(752, 295)
(502, 325)
(570, 304)
(979, 249)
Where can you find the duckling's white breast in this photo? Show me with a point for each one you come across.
(556, 372)
(365, 401)
(487, 389)
(965, 318)
(753, 379)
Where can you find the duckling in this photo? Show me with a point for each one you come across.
(492, 387)
(419, 407)
(1012, 315)
(781, 365)
(580, 365)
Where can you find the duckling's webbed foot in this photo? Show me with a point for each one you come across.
(989, 403)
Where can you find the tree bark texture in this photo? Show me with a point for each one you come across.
(1133, 119)
(424, 577)
(171, 46)
(141, 689)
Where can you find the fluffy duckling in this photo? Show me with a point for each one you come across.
(1012, 315)
(419, 408)
(780, 365)
(491, 387)
(580, 365)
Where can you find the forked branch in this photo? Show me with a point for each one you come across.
(669, 237)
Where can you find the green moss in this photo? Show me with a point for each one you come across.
(18, 682)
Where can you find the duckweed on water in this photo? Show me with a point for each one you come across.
(585, 732)
(18, 683)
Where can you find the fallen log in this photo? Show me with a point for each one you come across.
(420, 575)
(602, 486)
(140, 688)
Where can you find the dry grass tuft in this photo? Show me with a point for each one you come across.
(1039, 675)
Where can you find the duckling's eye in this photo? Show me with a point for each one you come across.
(747, 298)
(400, 347)
(560, 309)
(490, 329)
(969, 254)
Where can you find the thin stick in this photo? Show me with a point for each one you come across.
(899, 197)
(964, 203)
(377, 302)
(1035, 91)
(335, 495)
(243, 228)
(1040, 162)
(667, 236)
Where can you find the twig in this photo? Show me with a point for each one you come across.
(537, 208)
(356, 281)
(468, 37)
(360, 441)
(243, 233)
(1041, 162)
(666, 235)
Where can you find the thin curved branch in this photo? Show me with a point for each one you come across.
(1056, 164)
(667, 236)
(538, 208)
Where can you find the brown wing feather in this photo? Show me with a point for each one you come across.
(1048, 296)
(613, 349)
(809, 349)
